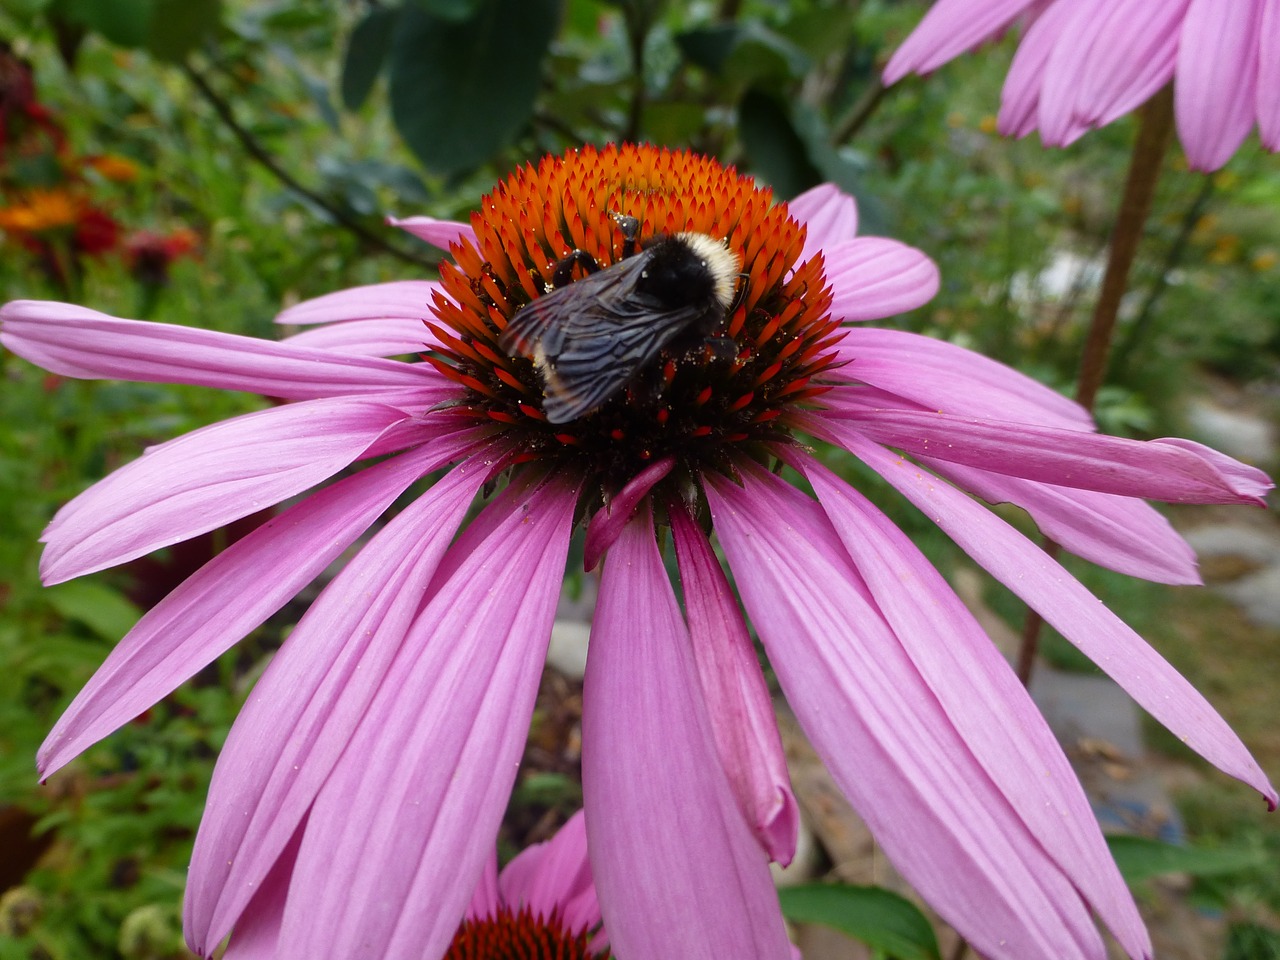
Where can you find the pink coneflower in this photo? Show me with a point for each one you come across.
(543, 906)
(384, 737)
(1083, 63)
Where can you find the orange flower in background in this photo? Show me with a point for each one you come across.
(41, 210)
(113, 167)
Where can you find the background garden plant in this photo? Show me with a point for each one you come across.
(281, 134)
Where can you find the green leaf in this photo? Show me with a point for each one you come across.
(178, 26)
(461, 91)
(98, 607)
(774, 148)
(455, 10)
(878, 917)
(123, 22)
(367, 49)
(1140, 859)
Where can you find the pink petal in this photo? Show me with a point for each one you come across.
(607, 524)
(678, 872)
(941, 376)
(950, 28)
(397, 300)
(1268, 91)
(989, 708)
(370, 338)
(1072, 610)
(208, 478)
(229, 596)
(1064, 72)
(258, 933)
(304, 710)
(486, 901)
(438, 233)
(1133, 57)
(1153, 470)
(555, 875)
(1121, 533)
(1249, 480)
(1215, 94)
(1020, 97)
(399, 834)
(880, 729)
(872, 278)
(738, 702)
(78, 342)
(829, 214)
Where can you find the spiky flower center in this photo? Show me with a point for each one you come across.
(519, 935)
(703, 398)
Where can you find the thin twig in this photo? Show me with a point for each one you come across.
(859, 113)
(1138, 329)
(259, 153)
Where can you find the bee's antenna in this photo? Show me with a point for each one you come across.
(630, 229)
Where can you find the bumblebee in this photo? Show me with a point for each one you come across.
(589, 338)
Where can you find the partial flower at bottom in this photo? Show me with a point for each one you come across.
(542, 906)
(384, 738)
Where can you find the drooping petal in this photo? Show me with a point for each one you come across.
(988, 706)
(555, 876)
(651, 783)
(738, 702)
(438, 233)
(302, 713)
(1248, 480)
(872, 278)
(486, 900)
(78, 342)
(229, 596)
(950, 28)
(397, 300)
(880, 730)
(941, 376)
(258, 934)
(829, 214)
(1121, 533)
(208, 478)
(369, 338)
(426, 777)
(607, 524)
(1073, 611)
(1268, 92)
(1153, 469)
(1216, 91)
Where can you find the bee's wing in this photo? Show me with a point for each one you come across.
(588, 339)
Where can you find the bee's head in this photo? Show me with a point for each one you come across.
(691, 268)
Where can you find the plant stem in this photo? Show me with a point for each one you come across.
(1155, 131)
(259, 153)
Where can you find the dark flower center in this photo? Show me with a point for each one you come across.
(725, 371)
(520, 936)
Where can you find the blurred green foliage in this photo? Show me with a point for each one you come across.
(281, 133)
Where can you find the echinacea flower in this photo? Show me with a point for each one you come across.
(1083, 63)
(542, 906)
(383, 739)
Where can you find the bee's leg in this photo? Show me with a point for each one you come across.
(629, 227)
(564, 269)
(739, 295)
